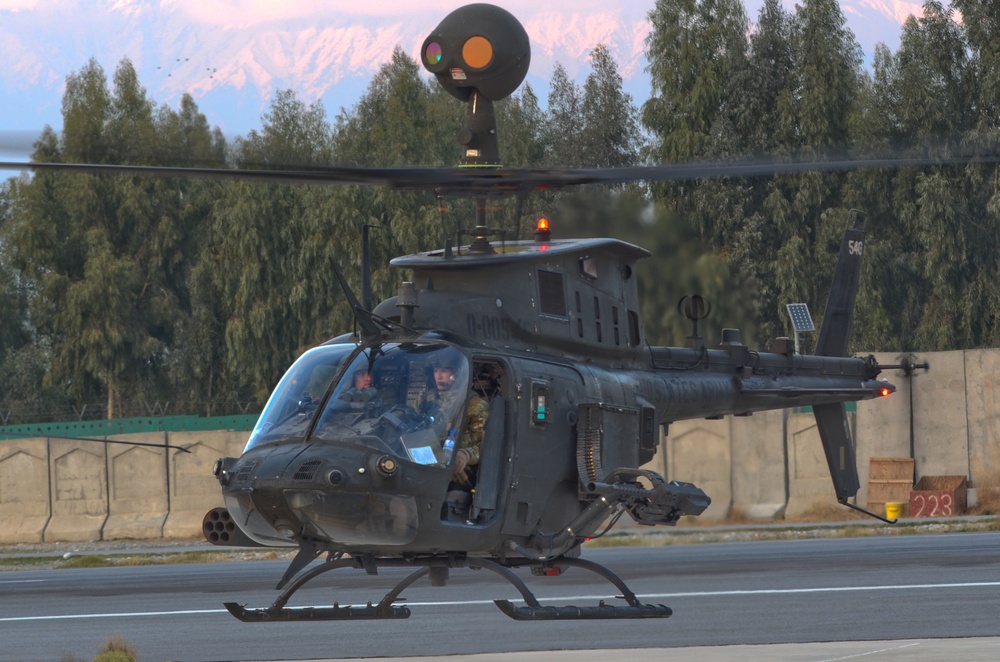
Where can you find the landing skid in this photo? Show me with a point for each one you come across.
(531, 611)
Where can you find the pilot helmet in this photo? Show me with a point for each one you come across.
(446, 358)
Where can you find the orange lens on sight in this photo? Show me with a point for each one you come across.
(477, 52)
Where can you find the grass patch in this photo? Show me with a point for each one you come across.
(173, 558)
(775, 531)
(989, 501)
(113, 560)
(828, 512)
(26, 561)
(117, 649)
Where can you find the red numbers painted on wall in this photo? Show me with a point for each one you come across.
(932, 504)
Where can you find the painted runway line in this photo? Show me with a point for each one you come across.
(564, 599)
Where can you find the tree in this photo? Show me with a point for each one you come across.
(562, 135)
(933, 274)
(400, 121)
(198, 351)
(105, 256)
(827, 62)
(594, 126)
(694, 50)
(932, 92)
(764, 88)
(609, 135)
(521, 127)
(733, 214)
(520, 124)
(14, 321)
(807, 211)
(982, 32)
(982, 37)
(252, 267)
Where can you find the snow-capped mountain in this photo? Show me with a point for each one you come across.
(232, 55)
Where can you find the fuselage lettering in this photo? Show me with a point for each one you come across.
(493, 327)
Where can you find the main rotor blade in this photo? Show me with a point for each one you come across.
(481, 181)
(17, 143)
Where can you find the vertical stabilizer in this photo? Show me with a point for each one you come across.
(836, 437)
(831, 419)
(839, 313)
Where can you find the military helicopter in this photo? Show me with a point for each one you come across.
(354, 454)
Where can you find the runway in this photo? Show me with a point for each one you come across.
(899, 595)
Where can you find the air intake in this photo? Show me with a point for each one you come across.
(308, 470)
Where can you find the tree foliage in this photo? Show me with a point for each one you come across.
(105, 256)
(115, 287)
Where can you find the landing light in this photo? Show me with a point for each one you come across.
(386, 466)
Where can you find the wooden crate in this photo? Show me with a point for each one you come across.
(889, 479)
(938, 496)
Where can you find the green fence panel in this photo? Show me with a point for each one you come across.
(119, 426)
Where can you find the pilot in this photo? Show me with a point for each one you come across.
(447, 400)
(362, 390)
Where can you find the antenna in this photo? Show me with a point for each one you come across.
(695, 307)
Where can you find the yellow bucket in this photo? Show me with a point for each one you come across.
(893, 510)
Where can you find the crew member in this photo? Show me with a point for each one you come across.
(445, 400)
(362, 391)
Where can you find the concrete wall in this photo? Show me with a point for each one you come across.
(700, 452)
(759, 490)
(57, 490)
(193, 489)
(25, 508)
(764, 466)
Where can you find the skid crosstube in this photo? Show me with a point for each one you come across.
(531, 611)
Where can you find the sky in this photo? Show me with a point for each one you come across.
(232, 55)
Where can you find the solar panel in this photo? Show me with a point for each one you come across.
(801, 319)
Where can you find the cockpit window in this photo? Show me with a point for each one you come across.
(399, 399)
(292, 405)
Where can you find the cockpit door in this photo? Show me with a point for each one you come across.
(484, 502)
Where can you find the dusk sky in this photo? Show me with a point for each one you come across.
(232, 55)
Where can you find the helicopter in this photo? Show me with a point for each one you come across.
(355, 453)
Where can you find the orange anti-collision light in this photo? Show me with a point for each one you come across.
(542, 231)
(885, 391)
(477, 52)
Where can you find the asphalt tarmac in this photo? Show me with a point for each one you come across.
(929, 597)
(978, 649)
